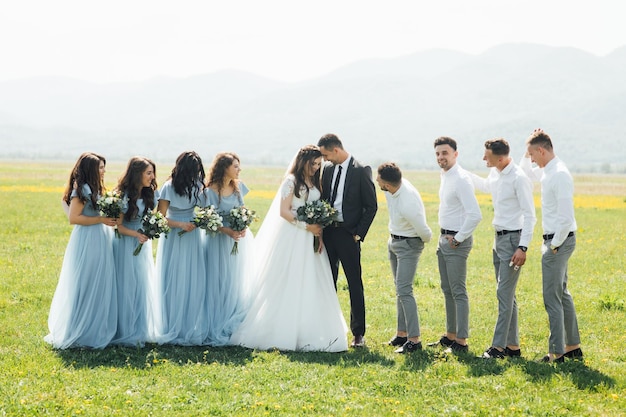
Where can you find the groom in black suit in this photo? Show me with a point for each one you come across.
(349, 187)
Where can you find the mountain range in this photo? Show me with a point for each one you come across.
(382, 109)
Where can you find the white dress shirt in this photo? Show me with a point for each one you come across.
(407, 216)
(458, 207)
(342, 182)
(512, 194)
(557, 198)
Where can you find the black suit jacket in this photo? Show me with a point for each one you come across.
(359, 204)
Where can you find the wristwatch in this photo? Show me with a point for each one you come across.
(523, 248)
(357, 238)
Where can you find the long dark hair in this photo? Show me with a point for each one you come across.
(86, 171)
(130, 184)
(306, 156)
(188, 175)
(221, 163)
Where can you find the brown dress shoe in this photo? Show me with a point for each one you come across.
(357, 342)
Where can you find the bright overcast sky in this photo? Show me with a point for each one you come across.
(290, 40)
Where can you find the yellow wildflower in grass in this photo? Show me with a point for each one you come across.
(269, 195)
(31, 189)
(599, 201)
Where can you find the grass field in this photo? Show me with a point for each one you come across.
(168, 380)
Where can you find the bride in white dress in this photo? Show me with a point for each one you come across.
(295, 307)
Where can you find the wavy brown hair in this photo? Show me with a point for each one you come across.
(86, 171)
(221, 163)
(306, 156)
(130, 185)
(188, 175)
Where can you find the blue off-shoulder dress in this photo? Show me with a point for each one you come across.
(229, 275)
(180, 292)
(84, 307)
(134, 275)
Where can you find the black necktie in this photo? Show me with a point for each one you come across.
(333, 195)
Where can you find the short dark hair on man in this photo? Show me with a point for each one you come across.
(498, 146)
(390, 172)
(330, 141)
(445, 140)
(540, 139)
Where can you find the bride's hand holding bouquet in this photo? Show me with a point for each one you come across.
(318, 212)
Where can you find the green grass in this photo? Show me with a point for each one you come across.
(168, 380)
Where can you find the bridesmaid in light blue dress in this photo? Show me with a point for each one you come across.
(134, 273)
(228, 297)
(84, 307)
(181, 270)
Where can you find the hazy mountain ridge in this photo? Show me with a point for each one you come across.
(389, 109)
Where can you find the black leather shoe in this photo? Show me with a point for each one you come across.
(574, 354)
(458, 348)
(409, 347)
(560, 359)
(444, 341)
(357, 342)
(493, 353)
(514, 353)
(398, 341)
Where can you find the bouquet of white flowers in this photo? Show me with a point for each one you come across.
(208, 219)
(111, 204)
(317, 212)
(239, 218)
(153, 224)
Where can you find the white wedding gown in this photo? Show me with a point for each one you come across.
(295, 306)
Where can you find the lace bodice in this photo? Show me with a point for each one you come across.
(287, 188)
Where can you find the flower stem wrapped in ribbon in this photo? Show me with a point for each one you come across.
(239, 218)
(317, 212)
(111, 205)
(208, 219)
(153, 225)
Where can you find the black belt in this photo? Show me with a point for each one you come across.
(336, 224)
(551, 235)
(506, 232)
(404, 237)
(448, 232)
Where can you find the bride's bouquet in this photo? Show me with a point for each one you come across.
(317, 212)
(239, 218)
(208, 219)
(111, 204)
(153, 224)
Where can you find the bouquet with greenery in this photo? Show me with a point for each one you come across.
(239, 218)
(317, 212)
(153, 224)
(111, 204)
(208, 219)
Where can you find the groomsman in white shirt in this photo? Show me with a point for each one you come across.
(559, 242)
(408, 233)
(459, 214)
(513, 220)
